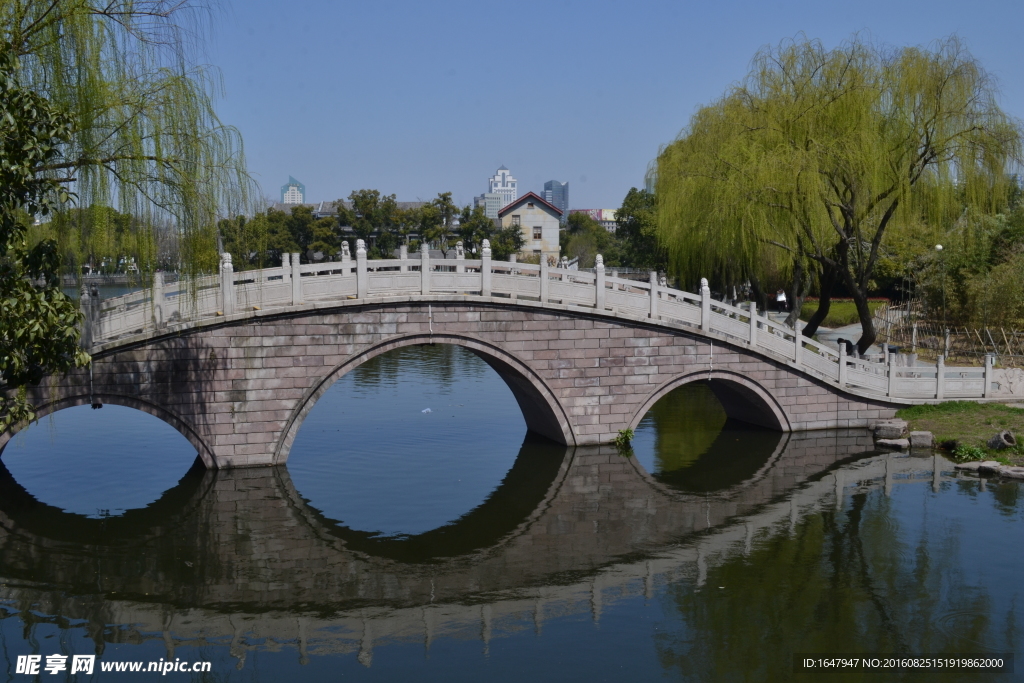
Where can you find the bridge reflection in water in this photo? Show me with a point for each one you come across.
(237, 555)
(716, 547)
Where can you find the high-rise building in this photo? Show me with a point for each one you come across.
(504, 184)
(293, 193)
(557, 194)
(492, 203)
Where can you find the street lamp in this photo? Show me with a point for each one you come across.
(942, 266)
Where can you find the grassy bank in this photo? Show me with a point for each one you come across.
(840, 313)
(970, 425)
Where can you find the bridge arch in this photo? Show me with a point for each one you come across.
(741, 397)
(159, 412)
(542, 411)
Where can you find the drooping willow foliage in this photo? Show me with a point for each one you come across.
(145, 139)
(805, 165)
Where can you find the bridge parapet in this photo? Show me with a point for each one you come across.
(184, 305)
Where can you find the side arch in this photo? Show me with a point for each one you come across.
(742, 398)
(180, 425)
(542, 411)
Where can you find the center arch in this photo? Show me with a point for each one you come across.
(542, 411)
(742, 398)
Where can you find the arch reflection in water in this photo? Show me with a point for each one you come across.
(98, 463)
(369, 456)
(686, 441)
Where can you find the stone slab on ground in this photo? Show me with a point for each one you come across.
(1012, 472)
(890, 429)
(894, 444)
(921, 439)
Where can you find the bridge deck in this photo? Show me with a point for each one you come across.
(123, 320)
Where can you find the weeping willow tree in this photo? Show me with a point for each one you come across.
(145, 139)
(803, 168)
(104, 113)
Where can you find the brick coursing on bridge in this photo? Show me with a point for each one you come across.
(240, 389)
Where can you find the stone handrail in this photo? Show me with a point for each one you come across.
(293, 284)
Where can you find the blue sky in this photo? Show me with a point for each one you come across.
(416, 98)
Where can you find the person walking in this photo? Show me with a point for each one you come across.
(780, 301)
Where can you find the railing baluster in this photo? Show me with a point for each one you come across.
(227, 285)
(940, 377)
(654, 295)
(485, 269)
(753, 325)
(599, 281)
(424, 268)
(362, 277)
(296, 280)
(544, 278)
(705, 305)
(403, 255)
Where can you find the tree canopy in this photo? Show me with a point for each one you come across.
(804, 167)
(143, 136)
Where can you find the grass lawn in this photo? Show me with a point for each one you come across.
(971, 424)
(840, 313)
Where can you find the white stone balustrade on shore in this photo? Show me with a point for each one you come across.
(164, 308)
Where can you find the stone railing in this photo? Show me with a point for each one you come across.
(293, 284)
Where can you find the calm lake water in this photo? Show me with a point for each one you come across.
(418, 533)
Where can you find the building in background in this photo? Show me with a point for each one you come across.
(557, 194)
(606, 217)
(504, 184)
(492, 203)
(293, 193)
(539, 222)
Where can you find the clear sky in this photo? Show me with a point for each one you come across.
(416, 98)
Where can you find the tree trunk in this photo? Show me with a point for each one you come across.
(867, 324)
(759, 295)
(801, 287)
(826, 282)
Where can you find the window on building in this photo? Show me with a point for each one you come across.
(538, 232)
(516, 221)
(529, 205)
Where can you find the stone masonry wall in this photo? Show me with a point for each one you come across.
(240, 389)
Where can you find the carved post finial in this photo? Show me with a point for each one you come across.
(345, 253)
(704, 285)
(486, 249)
(599, 261)
(360, 248)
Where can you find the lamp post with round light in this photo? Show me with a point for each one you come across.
(942, 267)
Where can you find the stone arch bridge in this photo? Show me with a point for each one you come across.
(236, 362)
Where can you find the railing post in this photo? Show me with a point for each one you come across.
(890, 366)
(87, 304)
(424, 268)
(797, 342)
(158, 299)
(362, 277)
(460, 257)
(227, 284)
(599, 281)
(346, 258)
(296, 281)
(989, 362)
(654, 294)
(705, 305)
(485, 269)
(913, 339)
(842, 365)
(543, 279)
(513, 272)
(940, 377)
(403, 256)
(753, 325)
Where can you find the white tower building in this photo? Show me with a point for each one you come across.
(504, 184)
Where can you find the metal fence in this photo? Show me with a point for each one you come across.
(906, 326)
